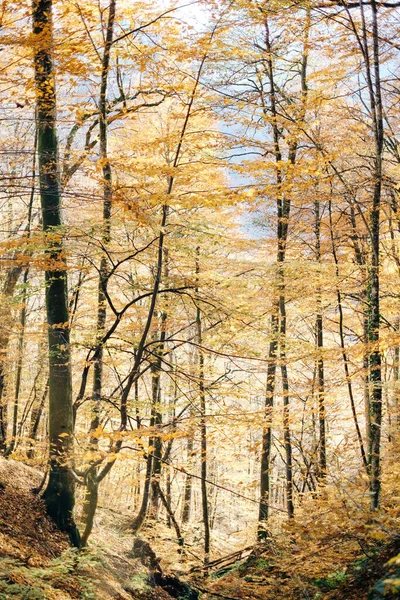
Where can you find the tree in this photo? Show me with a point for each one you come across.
(60, 491)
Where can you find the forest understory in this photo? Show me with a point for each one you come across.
(37, 562)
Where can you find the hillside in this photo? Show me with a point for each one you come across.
(36, 562)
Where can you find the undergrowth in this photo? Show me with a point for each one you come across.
(334, 548)
(68, 572)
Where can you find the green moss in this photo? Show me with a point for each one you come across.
(331, 582)
(261, 564)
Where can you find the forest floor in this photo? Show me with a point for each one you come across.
(36, 562)
(258, 578)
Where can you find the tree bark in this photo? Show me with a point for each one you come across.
(8, 291)
(59, 495)
(20, 351)
(36, 415)
(266, 446)
(319, 339)
(138, 521)
(375, 361)
(156, 439)
(278, 314)
(343, 347)
(203, 426)
(372, 74)
(187, 496)
(92, 486)
(286, 408)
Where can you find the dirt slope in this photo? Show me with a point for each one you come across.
(36, 562)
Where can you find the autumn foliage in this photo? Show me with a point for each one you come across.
(200, 322)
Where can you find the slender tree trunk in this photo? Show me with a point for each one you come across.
(367, 403)
(5, 330)
(20, 349)
(157, 397)
(36, 416)
(168, 494)
(396, 390)
(59, 495)
(286, 409)
(92, 487)
(190, 462)
(343, 346)
(203, 435)
(394, 402)
(319, 339)
(266, 447)
(361, 260)
(373, 85)
(375, 360)
(187, 496)
(266, 444)
(156, 440)
(151, 481)
(170, 514)
(203, 425)
(138, 521)
(16, 428)
(278, 318)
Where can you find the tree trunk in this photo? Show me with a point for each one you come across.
(375, 372)
(59, 495)
(90, 505)
(278, 314)
(286, 408)
(187, 497)
(396, 391)
(138, 521)
(5, 330)
(267, 429)
(20, 351)
(319, 339)
(36, 415)
(343, 346)
(156, 443)
(156, 370)
(92, 487)
(203, 426)
(275, 315)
